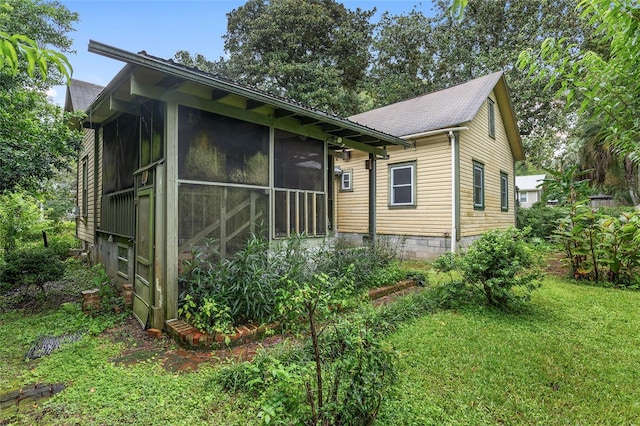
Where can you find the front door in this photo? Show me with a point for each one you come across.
(144, 257)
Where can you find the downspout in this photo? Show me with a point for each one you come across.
(454, 206)
(450, 131)
(372, 199)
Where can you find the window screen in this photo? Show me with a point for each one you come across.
(120, 154)
(214, 148)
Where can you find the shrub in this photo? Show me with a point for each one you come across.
(31, 266)
(498, 263)
(542, 220)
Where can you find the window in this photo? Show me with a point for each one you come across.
(523, 197)
(85, 188)
(492, 118)
(402, 185)
(504, 192)
(299, 180)
(478, 186)
(123, 260)
(346, 181)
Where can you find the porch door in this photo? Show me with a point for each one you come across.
(144, 257)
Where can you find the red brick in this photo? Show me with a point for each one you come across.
(154, 333)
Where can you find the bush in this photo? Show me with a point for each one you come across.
(542, 220)
(498, 263)
(31, 266)
(257, 283)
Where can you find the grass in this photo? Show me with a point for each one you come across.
(572, 358)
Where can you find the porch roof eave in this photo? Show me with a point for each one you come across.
(341, 132)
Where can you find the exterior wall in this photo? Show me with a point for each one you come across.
(426, 228)
(495, 155)
(532, 198)
(430, 217)
(85, 223)
(414, 247)
(106, 253)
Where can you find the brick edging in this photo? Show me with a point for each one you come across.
(187, 335)
(191, 337)
(380, 292)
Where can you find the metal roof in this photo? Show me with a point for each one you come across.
(342, 131)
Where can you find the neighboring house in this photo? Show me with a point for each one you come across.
(175, 156)
(529, 189)
(80, 94)
(455, 182)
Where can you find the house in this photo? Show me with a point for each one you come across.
(80, 94)
(529, 189)
(174, 156)
(455, 181)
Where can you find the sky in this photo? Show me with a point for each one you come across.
(161, 28)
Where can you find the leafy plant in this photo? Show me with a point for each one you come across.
(542, 220)
(31, 266)
(498, 263)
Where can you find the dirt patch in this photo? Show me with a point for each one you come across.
(556, 265)
(138, 346)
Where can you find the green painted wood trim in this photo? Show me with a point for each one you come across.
(289, 124)
(159, 285)
(170, 205)
(216, 83)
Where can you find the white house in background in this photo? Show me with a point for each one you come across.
(529, 189)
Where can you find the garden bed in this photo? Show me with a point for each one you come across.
(192, 338)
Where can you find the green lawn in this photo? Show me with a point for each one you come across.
(573, 359)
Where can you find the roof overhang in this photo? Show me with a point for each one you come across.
(148, 77)
(509, 118)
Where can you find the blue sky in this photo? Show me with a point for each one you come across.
(161, 28)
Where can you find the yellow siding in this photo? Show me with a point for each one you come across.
(432, 214)
(495, 154)
(85, 223)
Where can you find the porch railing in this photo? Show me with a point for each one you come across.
(118, 213)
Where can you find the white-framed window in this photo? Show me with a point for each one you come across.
(402, 185)
(504, 192)
(492, 118)
(478, 186)
(346, 180)
(523, 197)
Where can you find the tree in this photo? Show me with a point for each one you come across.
(313, 51)
(403, 58)
(431, 54)
(35, 140)
(28, 29)
(600, 82)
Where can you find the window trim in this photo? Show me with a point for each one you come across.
(492, 118)
(348, 188)
(504, 191)
(413, 203)
(526, 197)
(478, 205)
